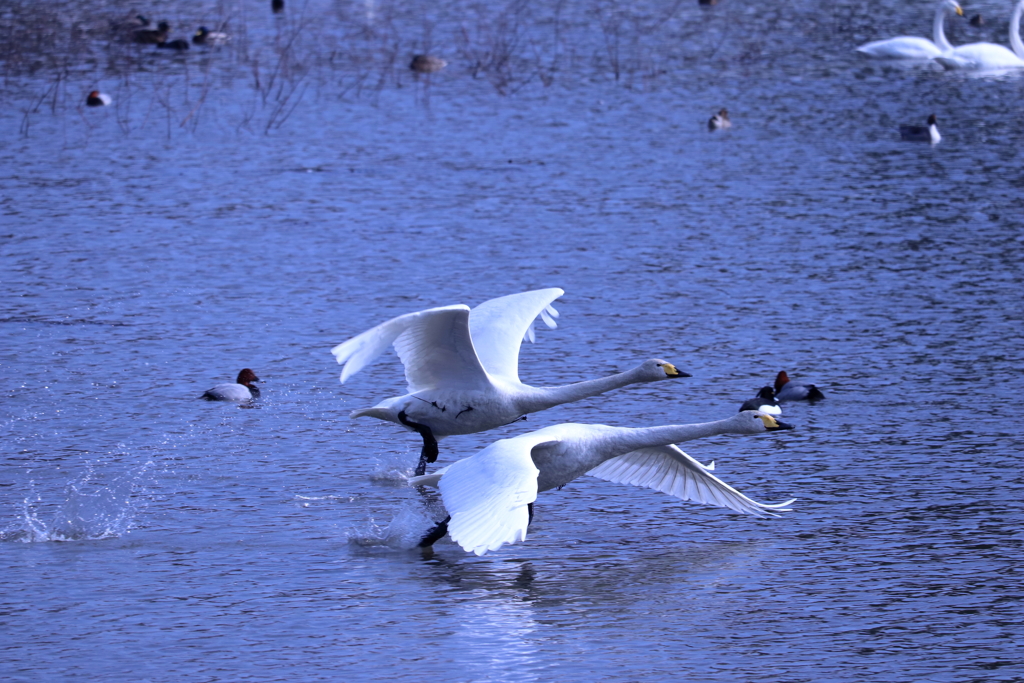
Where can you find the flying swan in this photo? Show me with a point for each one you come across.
(989, 56)
(462, 368)
(489, 496)
(912, 47)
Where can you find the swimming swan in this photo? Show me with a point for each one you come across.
(242, 390)
(462, 368)
(989, 56)
(911, 47)
(489, 496)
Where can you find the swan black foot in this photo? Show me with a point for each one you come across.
(435, 534)
(529, 506)
(429, 451)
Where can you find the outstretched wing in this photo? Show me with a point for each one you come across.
(498, 327)
(668, 470)
(487, 495)
(433, 345)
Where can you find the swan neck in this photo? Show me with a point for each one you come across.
(542, 398)
(939, 28)
(646, 437)
(1015, 42)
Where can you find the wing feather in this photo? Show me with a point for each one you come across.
(487, 494)
(499, 326)
(669, 470)
(434, 346)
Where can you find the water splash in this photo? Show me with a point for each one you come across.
(90, 511)
(403, 532)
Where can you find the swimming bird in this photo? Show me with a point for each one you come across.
(462, 368)
(204, 36)
(764, 401)
(277, 6)
(929, 133)
(427, 64)
(97, 99)
(489, 496)
(720, 120)
(242, 390)
(148, 36)
(989, 56)
(785, 390)
(179, 44)
(912, 47)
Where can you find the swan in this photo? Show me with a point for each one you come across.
(764, 401)
(462, 368)
(489, 496)
(242, 390)
(929, 133)
(720, 120)
(911, 47)
(97, 99)
(989, 56)
(785, 390)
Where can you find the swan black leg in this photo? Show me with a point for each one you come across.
(529, 506)
(435, 534)
(429, 451)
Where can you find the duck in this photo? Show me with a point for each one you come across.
(489, 496)
(148, 36)
(785, 390)
(929, 133)
(462, 368)
(204, 36)
(97, 99)
(720, 120)
(912, 47)
(179, 44)
(989, 56)
(242, 390)
(427, 64)
(764, 401)
(276, 6)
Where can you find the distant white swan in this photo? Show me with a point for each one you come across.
(989, 56)
(912, 47)
(462, 368)
(489, 496)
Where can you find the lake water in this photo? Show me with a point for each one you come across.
(256, 204)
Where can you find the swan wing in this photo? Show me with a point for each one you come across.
(487, 495)
(498, 327)
(434, 346)
(669, 470)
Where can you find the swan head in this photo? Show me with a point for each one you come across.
(657, 369)
(953, 6)
(756, 421)
(247, 377)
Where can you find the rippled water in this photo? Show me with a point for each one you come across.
(147, 535)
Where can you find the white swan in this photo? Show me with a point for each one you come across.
(912, 47)
(489, 496)
(989, 56)
(462, 368)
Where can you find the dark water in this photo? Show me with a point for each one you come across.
(147, 535)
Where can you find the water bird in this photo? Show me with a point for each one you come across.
(97, 99)
(786, 390)
(179, 44)
(720, 120)
(203, 36)
(929, 133)
(276, 6)
(989, 56)
(242, 390)
(912, 47)
(489, 496)
(764, 401)
(977, 20)
(427, 64)
(148, 36)
(462, 368)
